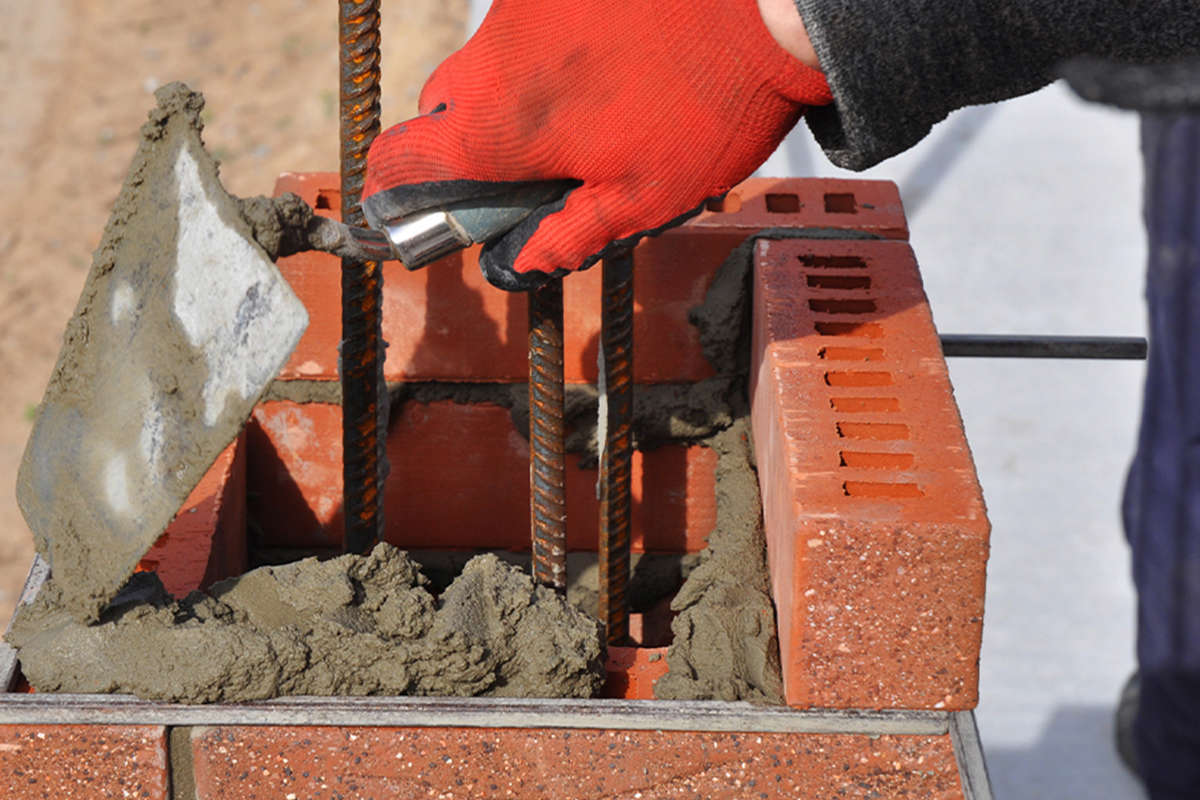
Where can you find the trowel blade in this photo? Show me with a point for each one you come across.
(182, 324)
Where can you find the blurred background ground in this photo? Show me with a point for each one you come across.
(78, 80)
(1024, 218)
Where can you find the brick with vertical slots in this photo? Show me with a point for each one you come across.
(872, 207)
(876, 530)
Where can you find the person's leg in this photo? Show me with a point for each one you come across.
(1162, 497)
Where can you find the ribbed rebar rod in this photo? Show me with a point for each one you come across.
(547, 463)
(364, 406)
(616, 441)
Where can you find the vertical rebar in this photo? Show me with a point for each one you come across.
(364, 406)
(616, 431)
(547, 462)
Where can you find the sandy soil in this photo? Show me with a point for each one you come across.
(78, 81)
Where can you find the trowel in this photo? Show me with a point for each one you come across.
(182, 324)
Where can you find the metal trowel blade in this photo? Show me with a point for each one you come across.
(182, 324)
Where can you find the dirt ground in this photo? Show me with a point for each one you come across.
(79, 77)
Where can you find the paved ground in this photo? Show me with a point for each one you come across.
(1025, 218)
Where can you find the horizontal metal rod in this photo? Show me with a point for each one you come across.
(678, 715)
(978, 345)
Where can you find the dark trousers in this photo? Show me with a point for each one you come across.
(1161, 507)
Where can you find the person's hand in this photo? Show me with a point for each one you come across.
(783, 21)
(649, 106)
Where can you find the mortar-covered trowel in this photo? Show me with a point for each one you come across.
(182, 324)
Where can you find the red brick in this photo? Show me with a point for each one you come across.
(633, 671)
(876, 531)
(652, 628)
(206, 542)
(870, 206)
(249, 763)
(294, 482)
(459, 478)
(83, 762)
(446, 323)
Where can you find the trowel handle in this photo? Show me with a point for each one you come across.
(425, 237)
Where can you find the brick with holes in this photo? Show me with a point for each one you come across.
(876, 529)
(870, 206)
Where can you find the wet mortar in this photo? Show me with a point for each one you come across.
(376, 624)
(352, 625)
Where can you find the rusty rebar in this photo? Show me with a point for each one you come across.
(616, 441)
(547, 462)
(364, 393)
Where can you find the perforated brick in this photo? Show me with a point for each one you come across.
(870, 206)
(876, 529)
(445, 322)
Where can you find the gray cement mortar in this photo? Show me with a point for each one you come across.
(352, 625)
(653, 576)
(725, 644)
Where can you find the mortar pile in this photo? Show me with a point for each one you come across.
(353, 625)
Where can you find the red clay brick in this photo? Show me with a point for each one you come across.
(459, 478)
(206, 542)
(83, 762)
(446, 323)
(871, 206)
(633, 671)
(876, 529)
(253, 763)
(652, 628)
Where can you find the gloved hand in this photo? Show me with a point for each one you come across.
(648, 107)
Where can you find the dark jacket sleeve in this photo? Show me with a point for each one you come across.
(897, 67)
